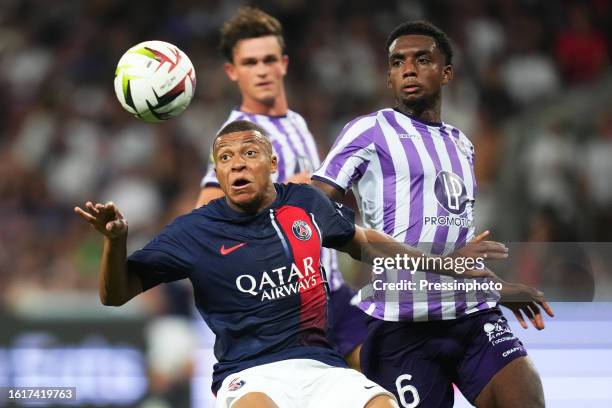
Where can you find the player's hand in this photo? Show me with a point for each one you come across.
(479, 248)
(299, 178)
(523, 299)
(104, 218)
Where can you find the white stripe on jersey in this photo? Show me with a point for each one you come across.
(278, 232)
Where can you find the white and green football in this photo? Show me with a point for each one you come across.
(154, 81)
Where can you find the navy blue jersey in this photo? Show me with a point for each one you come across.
(257, 279)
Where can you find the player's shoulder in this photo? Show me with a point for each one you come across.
(182, 226)
(298, 121)
(368, 122)
(359, 132)
(300, 193)
(368, 119)
(464, 143)
(293, 115)
(291, 189)
(453, 131)
(234, 115)
(458, 134)
(214, 210)
(191, 218)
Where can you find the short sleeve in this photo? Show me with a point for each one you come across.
(350, 156)
(335, 221)
(210, 177)
(170, 256)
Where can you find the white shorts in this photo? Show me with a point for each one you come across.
(301, 383)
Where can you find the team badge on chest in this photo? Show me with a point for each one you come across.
(464, 148)
(301, 230)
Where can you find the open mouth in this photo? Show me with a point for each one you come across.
(240, 182)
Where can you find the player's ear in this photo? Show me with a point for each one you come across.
(447, 74)
(285, 63)
(230, 71)
(273, 164)
(389, 80)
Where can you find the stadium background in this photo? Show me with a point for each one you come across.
(532, 88)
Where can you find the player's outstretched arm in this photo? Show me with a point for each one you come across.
(368, 244)
(117, 285)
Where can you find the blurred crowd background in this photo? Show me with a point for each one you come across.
(532, 89)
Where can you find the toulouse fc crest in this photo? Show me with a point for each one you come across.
(301, 230)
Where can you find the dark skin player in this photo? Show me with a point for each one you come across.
(417, 71)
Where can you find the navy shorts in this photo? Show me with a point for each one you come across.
(422, 360)
(349, 327)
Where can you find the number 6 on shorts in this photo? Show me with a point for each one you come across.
(402, 390)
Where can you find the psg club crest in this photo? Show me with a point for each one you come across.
(301, 230)
(236, 384)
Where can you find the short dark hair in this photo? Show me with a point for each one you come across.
(249, 22)
(243, 126)
(424, 28)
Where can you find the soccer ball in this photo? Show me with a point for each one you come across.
(154, 81)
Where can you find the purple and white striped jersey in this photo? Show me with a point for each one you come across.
(296, 151)
(414, 181)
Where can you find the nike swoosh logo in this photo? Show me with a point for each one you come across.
(368, 387)
(225, 251)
